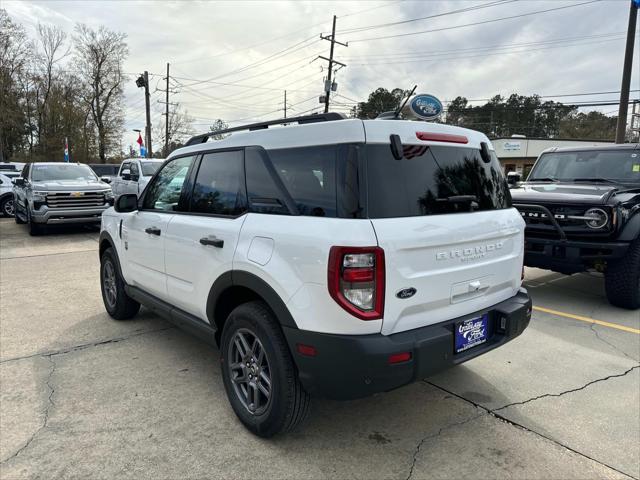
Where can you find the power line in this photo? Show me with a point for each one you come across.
(490, 47)
(486, 54)
(483, 22)
(451, 12)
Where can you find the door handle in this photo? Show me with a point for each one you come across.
(213, 241)
(152, 230)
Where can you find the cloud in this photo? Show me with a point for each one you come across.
(221, 41)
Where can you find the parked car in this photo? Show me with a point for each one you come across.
(6, 192)
(335, 258)
(134, 174)
(107, 172)
(54, 193)
(582, 209)
(11, 166)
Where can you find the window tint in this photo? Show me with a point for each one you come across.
(134, 169)
(433, 180)
(219, 186)
(149, 168)
(264, 195)
(309, 174)
(164, 193)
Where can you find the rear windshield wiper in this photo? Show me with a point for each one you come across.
(458, 199)
(596, 179)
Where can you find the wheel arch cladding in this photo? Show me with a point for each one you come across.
(232, 289)
(107, 242)
(631, 229)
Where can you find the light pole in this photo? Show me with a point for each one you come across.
(143, 81)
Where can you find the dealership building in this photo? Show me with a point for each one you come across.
(519, 153)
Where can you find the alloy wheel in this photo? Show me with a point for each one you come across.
(109, 283)
(8, 208)
(250, 371)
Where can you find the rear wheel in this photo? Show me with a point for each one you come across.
(118, 304)
(622, 279)
(259, 375)
(7, 207)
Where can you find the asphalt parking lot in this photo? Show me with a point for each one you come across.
(82, 395)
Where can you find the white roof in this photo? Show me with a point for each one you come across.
(338, 132)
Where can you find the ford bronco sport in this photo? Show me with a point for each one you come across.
(582, 209)
(336, 257)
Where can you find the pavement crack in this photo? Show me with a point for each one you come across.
(550, 439)
(610, 344)
(84, 346)
(434, 435)
(47, 411)
(573, 390)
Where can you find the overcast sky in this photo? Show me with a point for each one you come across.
(234, 59)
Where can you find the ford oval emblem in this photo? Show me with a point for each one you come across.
(406, 293)
(425, 107)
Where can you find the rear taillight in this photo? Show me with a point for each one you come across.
(356, 280)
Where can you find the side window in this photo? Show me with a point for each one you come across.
(124, 166)
(309, 174)
(264, 195)
(164, 193)
(134, 169)
(219, 187)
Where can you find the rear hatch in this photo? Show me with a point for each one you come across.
(452, 243)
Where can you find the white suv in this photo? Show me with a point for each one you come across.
(134, 174)
(336, 257)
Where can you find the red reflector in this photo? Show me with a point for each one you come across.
(357, 275)
(306, 350)
(399, 357)
(442, 137)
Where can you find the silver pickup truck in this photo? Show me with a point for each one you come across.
(53, 193)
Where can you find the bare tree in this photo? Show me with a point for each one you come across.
(15, 51)
(99, 57)
(51, 41)
(218, 125)
(180, 128)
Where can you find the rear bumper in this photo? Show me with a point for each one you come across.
(68, 215)
(355, 366)
(569, 256)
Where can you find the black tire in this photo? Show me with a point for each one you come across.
(622, 279)
(7, 207)
(117, 303)
(34, 228)
(288, 405)
(17, 217)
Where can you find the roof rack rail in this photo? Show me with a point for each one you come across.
(318, 117)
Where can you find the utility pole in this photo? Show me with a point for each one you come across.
(626, 72)
(166, 135)
(147, 98)
(285, 104)
(328, 84)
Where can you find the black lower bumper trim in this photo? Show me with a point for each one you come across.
(354, 366)
(570, 256)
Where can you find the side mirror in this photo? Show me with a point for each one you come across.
(126, 174)
(485, 153)
(513, 179)
(105, 179)
(18, 182)
(126, 203)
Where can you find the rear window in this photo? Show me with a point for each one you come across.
(309, 175)
(432, 180)
(149, 168)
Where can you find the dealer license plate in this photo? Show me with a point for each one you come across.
(471, 333)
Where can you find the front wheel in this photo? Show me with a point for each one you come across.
(118, 304)
(34, 228)
(622, 279)
(7, 207)
(259, 375)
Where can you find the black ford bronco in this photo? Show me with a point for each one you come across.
(582, 210)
